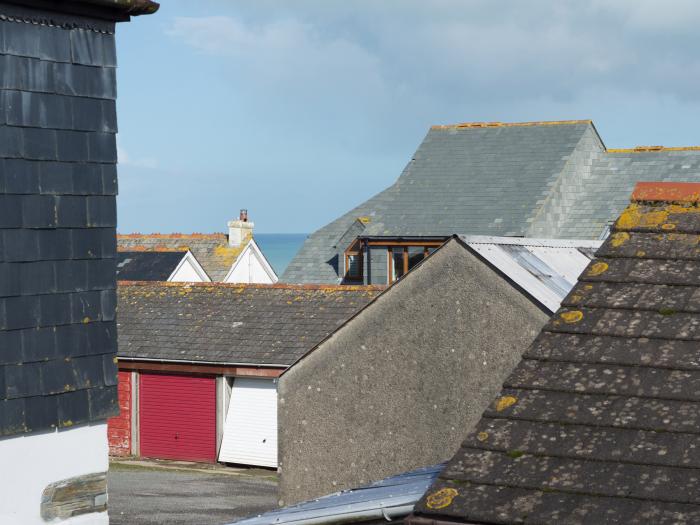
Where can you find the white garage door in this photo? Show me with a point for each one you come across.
(250, 432)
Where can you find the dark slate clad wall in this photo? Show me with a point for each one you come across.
(58, 185)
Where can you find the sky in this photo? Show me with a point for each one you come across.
(299, 111)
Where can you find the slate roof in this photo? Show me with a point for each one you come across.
(211, 250)
(539, 179)
(147, 266)
(230, 323)
(58, 183)
(599, 423)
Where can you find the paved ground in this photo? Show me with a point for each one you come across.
(177, 493)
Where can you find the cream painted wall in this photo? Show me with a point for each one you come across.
(30, 463)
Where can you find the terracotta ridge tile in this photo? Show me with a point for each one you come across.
(466, 125)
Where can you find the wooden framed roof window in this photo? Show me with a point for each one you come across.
(354, 262)
(402, 257)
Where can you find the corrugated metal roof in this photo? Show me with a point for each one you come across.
(546, 269)
(389, 499)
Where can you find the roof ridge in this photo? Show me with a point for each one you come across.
(175, 235)
(496, 124)
(648, 149)
(285, 286)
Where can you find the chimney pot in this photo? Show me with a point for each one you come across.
(243, 215)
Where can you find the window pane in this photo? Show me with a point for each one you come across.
(354, 266)
(415, 255)
(397, 263)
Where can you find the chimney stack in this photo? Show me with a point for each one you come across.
(240, 230)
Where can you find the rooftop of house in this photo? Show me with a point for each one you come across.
(599, 421)
(526, 179)
(148, 266)
(233, 324)
(545, 269)
(212, 250)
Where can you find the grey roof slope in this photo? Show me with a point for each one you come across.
(476, 180)
(599, 421)
(231, 324)
(604, 194)
(388, 499)
(546, 180)
(211, 250)
(58, 183)
(147, 266)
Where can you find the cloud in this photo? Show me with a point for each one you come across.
(126, 160)
(459, 49)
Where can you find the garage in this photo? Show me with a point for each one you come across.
(250, 431)
(177, 417)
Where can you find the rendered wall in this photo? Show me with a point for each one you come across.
(32, 462)
(399, 386)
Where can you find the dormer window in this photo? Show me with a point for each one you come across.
(354, 262)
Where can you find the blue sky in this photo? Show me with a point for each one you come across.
(300, 110)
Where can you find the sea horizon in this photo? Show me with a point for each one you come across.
(280, 248)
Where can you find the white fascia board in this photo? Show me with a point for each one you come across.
(190, 259)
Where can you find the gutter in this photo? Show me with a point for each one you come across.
(189, 362)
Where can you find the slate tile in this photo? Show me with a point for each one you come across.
(89, 371)
(11, 415)
(38, 344)
(102, 147)
(71, 211)
(10, 142)
(102, 211)
(71, 276)
(41, 413)
(37, 277)
(56, 178)
(10, 211)
(39, 144)
(10, 347)
(101, 274)
(56, 309)
(103, 403)
(19, 245)
(73, 408)
(21, 176)
(58, 376)
(54, 245)
(38, 211)
(23, 380)
(21, 312)
(85, 307)
(72, 146)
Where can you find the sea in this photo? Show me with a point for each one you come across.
(280, 248)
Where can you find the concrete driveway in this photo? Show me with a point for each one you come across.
(153, 493)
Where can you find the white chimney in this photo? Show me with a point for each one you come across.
(239, 230)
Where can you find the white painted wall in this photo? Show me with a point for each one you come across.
(30, 463)
(189, 271)
(251, 267)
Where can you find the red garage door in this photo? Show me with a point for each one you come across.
(177, 417)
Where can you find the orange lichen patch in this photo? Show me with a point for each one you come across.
(571, 317)
(639, 216)
(505, 402)
(648, 149)
(667, 192)
(159, 248)
(619, 238)
(464, 125)
(597, 269)
(576, 298)
(364, 220)
(227, 255)
(441, 498)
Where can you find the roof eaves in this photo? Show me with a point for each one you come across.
(472, 125)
